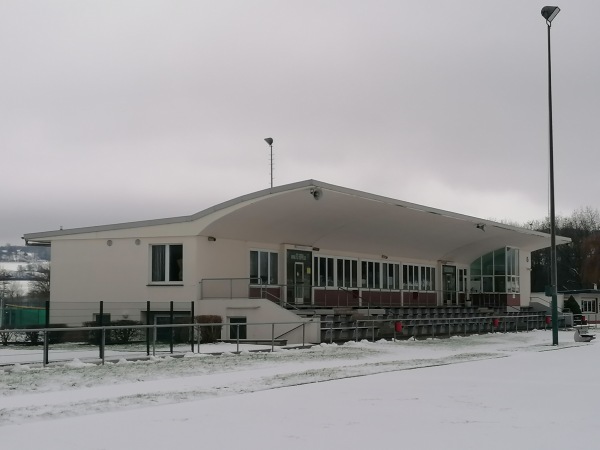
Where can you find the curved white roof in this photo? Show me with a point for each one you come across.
(342, 219)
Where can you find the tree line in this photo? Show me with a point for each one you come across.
(578, 263)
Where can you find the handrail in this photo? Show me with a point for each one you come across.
(264, 290)
(544, 301)
(325, 295)
(345, 289)
(274, 298)
(289, 331)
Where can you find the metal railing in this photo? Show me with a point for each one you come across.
(44, 337)
(332, 328)
(345, 296)
(545, 302)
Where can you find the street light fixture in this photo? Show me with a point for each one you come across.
(549, 13)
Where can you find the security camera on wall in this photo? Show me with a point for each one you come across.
(316, 193)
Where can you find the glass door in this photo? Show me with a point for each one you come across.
(449, 285)
(298, 271)
(299, 283)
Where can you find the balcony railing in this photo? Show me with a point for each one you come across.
(330, 296)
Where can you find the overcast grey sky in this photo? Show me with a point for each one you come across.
(116, 111)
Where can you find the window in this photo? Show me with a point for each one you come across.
(589, 305)
(410, 275)
(371, 274)
(391, 276)
(496, 272)
(263, 267)
(347, 270)
(512, 269)
(418, 278)
(323, 271)
(428, 278)
(167, 263)
(462, 280)
(237, 328)
(329, 271)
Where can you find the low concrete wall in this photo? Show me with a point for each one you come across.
(260, 314)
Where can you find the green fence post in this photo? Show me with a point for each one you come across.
(148, 330)
(101, 323)
(192, 327)
(46, 325)
(171, 320)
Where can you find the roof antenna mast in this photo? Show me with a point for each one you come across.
(270, 142)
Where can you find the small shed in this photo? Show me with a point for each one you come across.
(587, 299)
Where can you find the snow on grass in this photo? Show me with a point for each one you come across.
(411, 387)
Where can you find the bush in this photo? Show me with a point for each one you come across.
(572, 305)
(209, 334)
(182, 334)
(126, 335)
(119, 336)
(32, 337)
(60, 336)
(5, 336)
(94, 336)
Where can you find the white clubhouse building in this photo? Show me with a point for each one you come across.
(265, 256)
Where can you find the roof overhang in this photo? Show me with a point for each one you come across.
(332, 218)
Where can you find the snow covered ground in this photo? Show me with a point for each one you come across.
(493, 391)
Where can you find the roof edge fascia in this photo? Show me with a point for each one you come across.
(42, 238)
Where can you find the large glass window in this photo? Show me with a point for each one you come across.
(496, 272)
(347, 272)
(462, 280)
(512, 269)
(330, 271)
(391, 276)
(410, 275)
(167, 263)
(263, 267)
(323, 273)
(371, 274)
(418, 278)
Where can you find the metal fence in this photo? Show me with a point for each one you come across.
(98, 344)
(113, 342)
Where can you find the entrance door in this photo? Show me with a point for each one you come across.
(298, 275)
(237, 328)
(162, 333)
(299, 282)
(449, 285)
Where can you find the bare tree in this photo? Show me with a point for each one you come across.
(578, 263)
(40, 287)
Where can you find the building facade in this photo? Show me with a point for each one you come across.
(267, 256)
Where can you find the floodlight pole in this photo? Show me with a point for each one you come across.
(270, 142)
(549, 13)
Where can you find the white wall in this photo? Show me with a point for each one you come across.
(525, 276)
(542, 302)
(91, 270)
(264, 312)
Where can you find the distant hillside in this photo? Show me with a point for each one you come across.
(23, 253)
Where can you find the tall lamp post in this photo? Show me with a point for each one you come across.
(549, 13)
(270, 142)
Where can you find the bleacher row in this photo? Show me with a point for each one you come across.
(345, 325)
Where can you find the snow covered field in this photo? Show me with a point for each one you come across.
(493, 391)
